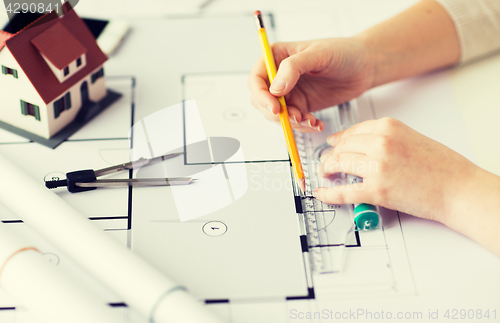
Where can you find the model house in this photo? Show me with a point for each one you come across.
(50, 72)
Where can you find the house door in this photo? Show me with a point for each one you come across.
(84, 91)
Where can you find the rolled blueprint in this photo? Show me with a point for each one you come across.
(139, 284)
(45, 290)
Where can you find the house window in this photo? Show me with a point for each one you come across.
(78, 62)
(97, 75)
(62, 104)
(9, 71)
(66, 71)
(29, 109)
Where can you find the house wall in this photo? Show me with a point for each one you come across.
(12, 91)
(65, 117)
(97, 91)
(73, 69)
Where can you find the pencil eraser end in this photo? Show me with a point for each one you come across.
(256, 13)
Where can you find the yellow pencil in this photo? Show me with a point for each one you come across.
(284, 117)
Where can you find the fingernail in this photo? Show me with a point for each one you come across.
(293, 119)
(316, 193)
(319, 128)
(323, 157)
(270, 108)
(277, 86)
(306, 123)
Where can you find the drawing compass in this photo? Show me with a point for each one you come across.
(86, 180)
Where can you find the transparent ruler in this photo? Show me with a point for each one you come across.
(330, 228)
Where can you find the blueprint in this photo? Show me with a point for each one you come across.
(409, 265)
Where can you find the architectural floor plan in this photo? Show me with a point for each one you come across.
(247, 254)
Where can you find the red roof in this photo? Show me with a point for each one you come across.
(3, 38)
(59, 46)
(35, 67)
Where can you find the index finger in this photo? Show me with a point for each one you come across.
(362, 128)
(258, 83)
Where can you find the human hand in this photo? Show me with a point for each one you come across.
(401, 169)
(312, 75)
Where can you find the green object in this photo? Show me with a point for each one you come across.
(366, 217)
(36, 110)
(67, 98)
(30, 109)
(23, 108)
(9, 71)
(57, 109)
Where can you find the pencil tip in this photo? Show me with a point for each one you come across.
(302, 185)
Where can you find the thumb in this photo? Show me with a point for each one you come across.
(290, 70)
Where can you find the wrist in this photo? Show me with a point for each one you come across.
(470, 200)
(374, 59)
(475, 213)
(421, 39)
